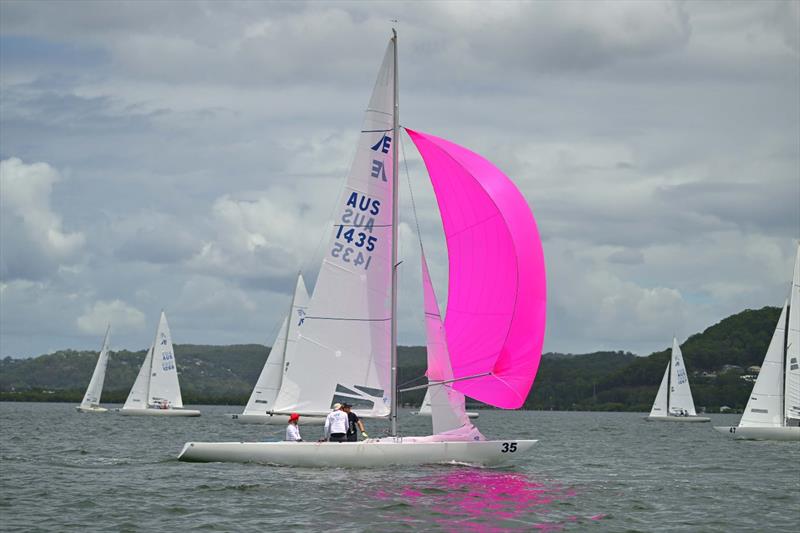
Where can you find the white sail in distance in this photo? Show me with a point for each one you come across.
(95, 389)
(164, 386)
(660, 407)
(137, 397)
(343, 352)
(680, 394)
(281, 355)
(764, 408)
(792, 375)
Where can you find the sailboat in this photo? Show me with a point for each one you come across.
(489, 345)
(773, 410)
(674, 402)
(156, 391)
(91, 399)
(281, 357)
(426, 410)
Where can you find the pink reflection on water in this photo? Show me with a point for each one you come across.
(481, 501)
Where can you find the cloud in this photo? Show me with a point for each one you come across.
(34, 242)
(120, 315)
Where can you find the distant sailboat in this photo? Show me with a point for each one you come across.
(495, 311)
(773, 410)
(91, 400)
(156, 391)
(281, 357)
(674, 402)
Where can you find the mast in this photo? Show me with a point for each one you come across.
(784, 418)
(393, 341)
(669, 376)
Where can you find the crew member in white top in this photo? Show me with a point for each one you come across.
(292, 429)
(336, 424)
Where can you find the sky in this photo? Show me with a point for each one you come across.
(185, 156)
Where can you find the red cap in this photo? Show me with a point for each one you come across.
(294, 416)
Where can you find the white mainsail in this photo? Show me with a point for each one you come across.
(344, 348)
(792, 379)
(95, 388)
(660, 407)
(764, 408)
(164, 387)
(281, 355)
(680, 394)
(137, 397)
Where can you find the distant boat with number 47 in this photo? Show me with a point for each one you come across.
(156, 391)
(488, 347)
(773, 410)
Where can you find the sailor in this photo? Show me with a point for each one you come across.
(292, 429)
(353, 424)
(336, 424)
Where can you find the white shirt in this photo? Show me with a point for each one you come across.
(292, 433)
(336, 422)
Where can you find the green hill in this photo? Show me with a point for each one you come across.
(596, 381)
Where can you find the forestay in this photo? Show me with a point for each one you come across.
(164, 387)
(137, 397)
(496, 303)
(680, 397)
(792, 383)
(764, 408)
(281, 355)
(343, 351)
(95, 388)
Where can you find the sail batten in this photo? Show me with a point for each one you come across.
(496, 304)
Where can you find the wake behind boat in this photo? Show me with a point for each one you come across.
(91, 399)
(493, 346)
(773, 410)
(674, 402)
(156, 391)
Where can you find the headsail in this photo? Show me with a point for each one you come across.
(680, 394)
(266, 390)
(766, 400)
(164, 387)
(496, 302)
(343, 351)
(446, 403)
(95, 388)
(792, 382)
(660, 404)
(137, 397)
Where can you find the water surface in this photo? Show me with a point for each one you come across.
(61, 470)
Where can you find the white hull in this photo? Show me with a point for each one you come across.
(158, 412)
(96, 409)
(765, 433)
(275, 420)
(470, 414)
(678, 419)
(364, 454)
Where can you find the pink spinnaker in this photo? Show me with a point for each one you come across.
(497, 291)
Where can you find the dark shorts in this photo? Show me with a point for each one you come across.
(337, 437)
(352, 437)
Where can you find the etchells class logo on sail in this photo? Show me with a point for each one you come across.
(359, 396)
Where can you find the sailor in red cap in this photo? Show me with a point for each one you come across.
(292, 429)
